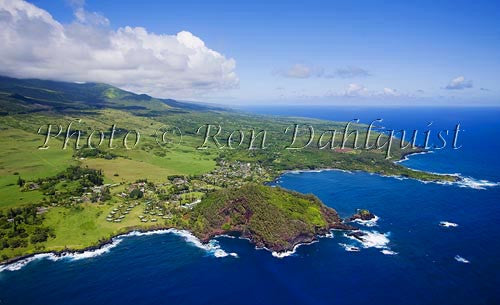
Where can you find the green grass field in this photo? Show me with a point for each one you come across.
(80, 228)
(20, 157)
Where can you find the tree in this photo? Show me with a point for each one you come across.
(41, 234)
(20, 181)
(17, 243)
(11, 213)
(105, 194)
(136, 194)
(17, 220)
(33, 214)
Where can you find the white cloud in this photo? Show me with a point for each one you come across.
(390, 92)
(356, 90)
(90, 17)
(300, 71)
(350, 72)
(459, 83)
(306, 71)
(36, 45)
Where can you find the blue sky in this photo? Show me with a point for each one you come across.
(327, 52)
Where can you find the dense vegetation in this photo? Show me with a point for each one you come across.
(271, 217)
(22, 226)
(72, 182)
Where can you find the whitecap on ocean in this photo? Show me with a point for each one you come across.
(349, 248)
(447, 224)
(460, 259)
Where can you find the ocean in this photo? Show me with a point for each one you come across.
(432, 243)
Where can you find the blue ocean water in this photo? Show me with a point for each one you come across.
(419, 265)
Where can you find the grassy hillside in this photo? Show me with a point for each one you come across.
(270, 217)
(35, 95)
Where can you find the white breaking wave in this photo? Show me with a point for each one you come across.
(447, 224)
(146, 233)
(227, 236)
(212, 247)
(87, 254)
(463, 181)
(291, 252)
(468, 182)
(388, 252)
(367, 223)
(327, 235)
(283, 254)
(372, 239)
(405, 158)
(349, 248)
(300, 171)
(460, 259)
(475, 183)
(66, 255)
(21, 263)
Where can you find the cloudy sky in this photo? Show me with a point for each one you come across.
(242, 52)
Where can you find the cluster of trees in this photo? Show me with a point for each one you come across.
(95, 153)
(27, 215)
(76, 180)
(21, 226)
(87, 176)
(41, 234)
(173, 177)
(136, 194)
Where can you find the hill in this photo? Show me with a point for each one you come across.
(273, 218)
(35, 95)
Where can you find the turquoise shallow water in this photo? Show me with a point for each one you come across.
(407, 259)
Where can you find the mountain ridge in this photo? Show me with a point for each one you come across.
(32, 95)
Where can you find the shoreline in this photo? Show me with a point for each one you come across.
(405, 156)
(327, 169)
(107, 244)
(475, 184)
(116, 239)
(65, 252)
(460, 181)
